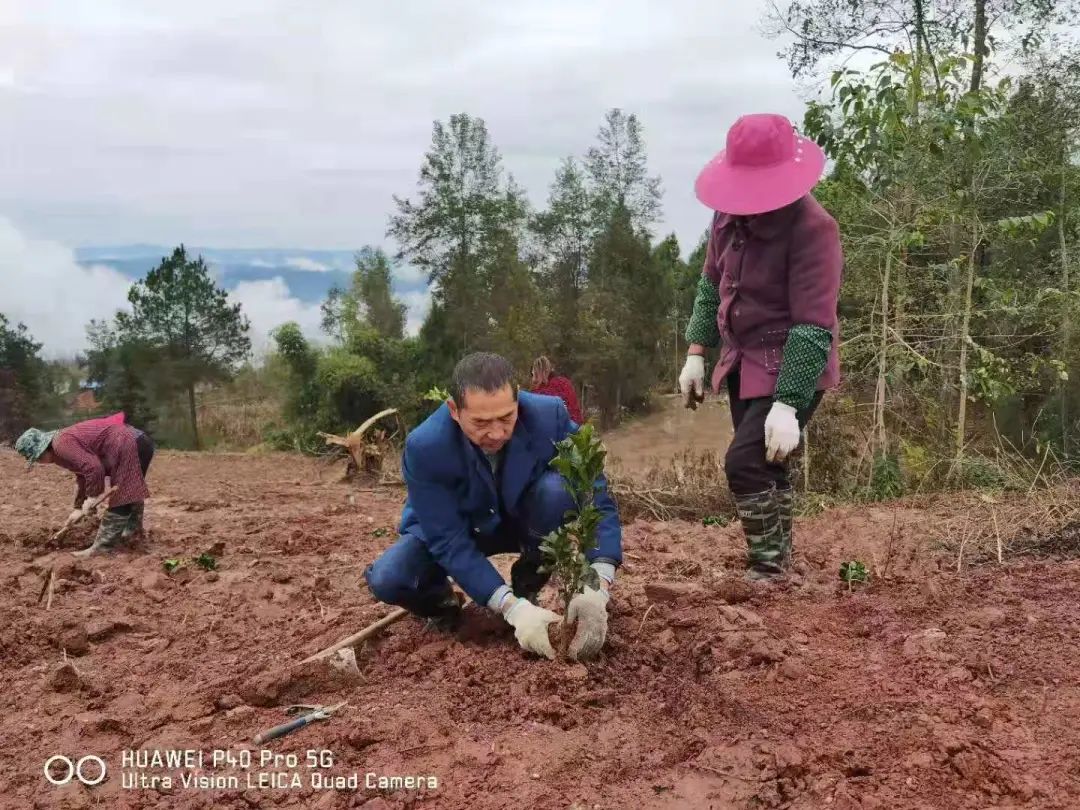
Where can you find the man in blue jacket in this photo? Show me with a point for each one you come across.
(479, 484)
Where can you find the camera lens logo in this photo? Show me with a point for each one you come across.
(90, 770)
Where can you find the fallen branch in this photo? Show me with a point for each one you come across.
(356, 638)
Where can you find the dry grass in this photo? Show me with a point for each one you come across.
(981, 528)
(237, 423)
(691, 486)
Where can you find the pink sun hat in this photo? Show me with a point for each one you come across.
(765, 166)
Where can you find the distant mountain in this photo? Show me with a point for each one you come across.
(309, 274)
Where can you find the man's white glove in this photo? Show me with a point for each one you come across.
(76, 515)
(692, 381)
(530, 625)
(781, 432)
(589, 610)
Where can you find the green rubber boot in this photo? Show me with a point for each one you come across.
(785, 502)
(135, 521)
(760, 518)
(110, 532)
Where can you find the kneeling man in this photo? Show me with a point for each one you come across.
(479, 484)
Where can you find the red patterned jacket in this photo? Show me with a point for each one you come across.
(98, 448)
(561, 387)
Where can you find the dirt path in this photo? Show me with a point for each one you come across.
(929, 690)
(668, 433)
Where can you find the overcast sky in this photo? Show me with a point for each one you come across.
(274, 123)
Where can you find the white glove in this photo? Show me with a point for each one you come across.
(76, 515)
(589, 609)
(782, 432)
(692, 381)
(530, 625)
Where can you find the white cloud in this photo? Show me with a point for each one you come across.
(304, 263)
(268, 304)
(418, 303)
(410, 275)
(43, 287)
(254, 120)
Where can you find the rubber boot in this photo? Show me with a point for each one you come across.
(760, 518)
(109, 534)
(135, 521)
(785, 502)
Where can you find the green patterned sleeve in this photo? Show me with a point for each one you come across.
(805, 354)
(702, 328)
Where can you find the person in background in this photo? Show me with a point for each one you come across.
(768, 293)
(93, 450)
(547, 381)
(479, 483)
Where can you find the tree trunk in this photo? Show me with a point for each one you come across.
(980, 46)
(961, 412)
(678, 367)
(1065, 325)
(879, 397)
(922, 41)
(194, 416)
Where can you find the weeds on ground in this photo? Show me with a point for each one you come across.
(854, 572)
(171, 565)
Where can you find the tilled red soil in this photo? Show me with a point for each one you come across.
(925, 690)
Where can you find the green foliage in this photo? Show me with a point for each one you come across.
(206, 561)
(127, 374)
(25, 380)
(334, 389)
(369, 303)
(436, 394)
(887, 481)
(714, 520)
(579, 460)
(181, 332)
(959, 190)
(171, 565)
(854, 572)
(618, 174)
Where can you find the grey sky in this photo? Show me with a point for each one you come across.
(251, 123)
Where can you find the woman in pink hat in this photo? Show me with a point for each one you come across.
(768, 293)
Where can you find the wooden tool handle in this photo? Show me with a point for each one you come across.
(356, 638)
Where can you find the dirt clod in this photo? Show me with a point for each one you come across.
(66, 677)
(672, 591)
(924, 642)
(766, 652)
(104, 629)
(789, 761)
(73, 639)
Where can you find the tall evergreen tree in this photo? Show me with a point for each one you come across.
(179, 311)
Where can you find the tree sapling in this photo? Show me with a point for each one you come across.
(854, 571)
(580, 461)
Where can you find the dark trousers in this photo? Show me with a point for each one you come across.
(145, 445)
(748, 473)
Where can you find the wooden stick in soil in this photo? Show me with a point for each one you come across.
(356, 638)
